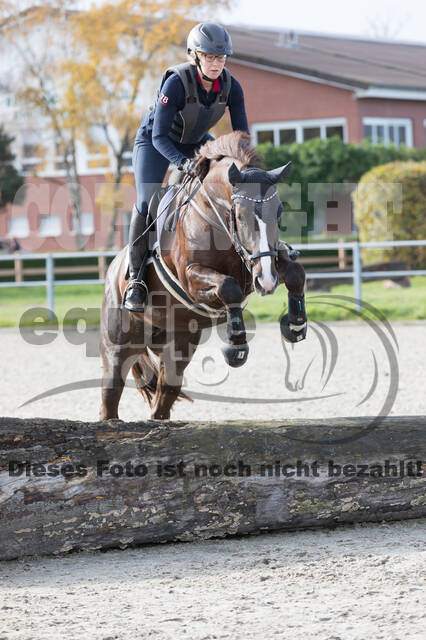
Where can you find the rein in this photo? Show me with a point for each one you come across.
(246, 257)
(176, 210)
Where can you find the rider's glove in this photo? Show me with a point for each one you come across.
(187, 166)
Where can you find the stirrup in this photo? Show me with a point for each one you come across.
(138, 283)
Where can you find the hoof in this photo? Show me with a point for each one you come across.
(292, 332)
(235, 354)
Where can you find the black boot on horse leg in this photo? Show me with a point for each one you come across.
(235, 354)
(136, 291)
(293, 324)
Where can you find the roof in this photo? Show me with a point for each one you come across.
(356, 62)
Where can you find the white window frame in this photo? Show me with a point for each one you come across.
(85, 231)
(47, 233)
(299, 125)
(386, 123)
(13, 233)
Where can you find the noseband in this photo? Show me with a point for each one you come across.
(247, 257)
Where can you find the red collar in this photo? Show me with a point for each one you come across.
(216, 83)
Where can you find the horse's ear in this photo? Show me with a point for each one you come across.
(234, 175)
(279, 174)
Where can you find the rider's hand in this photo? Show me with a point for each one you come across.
(187, 166)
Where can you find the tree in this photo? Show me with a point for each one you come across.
(120, 45)
(10, 180)
(89, 69)
(387, 26)
(38, 40)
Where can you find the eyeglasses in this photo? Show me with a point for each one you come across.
(209, 57)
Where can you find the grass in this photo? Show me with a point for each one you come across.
(71, 302)
(84, 301)
(402, 304)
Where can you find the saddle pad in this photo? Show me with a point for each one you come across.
(163, 205)
(162, 237)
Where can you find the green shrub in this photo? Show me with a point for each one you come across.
(329, 161)
(390, 204)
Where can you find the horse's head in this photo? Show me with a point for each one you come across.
(255, 212)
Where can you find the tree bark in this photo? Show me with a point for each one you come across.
(168, 498)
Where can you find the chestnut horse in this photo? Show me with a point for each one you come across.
(224, 246)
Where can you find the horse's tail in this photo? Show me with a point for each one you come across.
(145, 372)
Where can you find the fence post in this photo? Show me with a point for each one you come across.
(102, 267)
(18, 270)
(50, 293)
(341, 252)
(357, 277)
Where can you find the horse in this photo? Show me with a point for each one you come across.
(224, 246)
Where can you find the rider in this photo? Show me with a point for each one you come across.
(192, 98)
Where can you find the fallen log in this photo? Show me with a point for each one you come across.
(67, 485)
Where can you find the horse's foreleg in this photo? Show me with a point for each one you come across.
(210, 287)
(294, 323)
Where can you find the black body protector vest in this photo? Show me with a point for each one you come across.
(195, 119)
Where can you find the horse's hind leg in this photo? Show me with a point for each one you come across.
(118, 355)
(174, 357)
(116, 365)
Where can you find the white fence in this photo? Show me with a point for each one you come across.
(356, 275)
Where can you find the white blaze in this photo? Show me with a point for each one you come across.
(266, 279)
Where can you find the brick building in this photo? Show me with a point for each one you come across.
(297, 87)
(300, 86)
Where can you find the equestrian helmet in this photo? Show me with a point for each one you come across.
(209, 37)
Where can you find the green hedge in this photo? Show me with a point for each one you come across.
(390, 203)
(329, 161)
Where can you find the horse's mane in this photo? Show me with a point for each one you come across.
(236, 145)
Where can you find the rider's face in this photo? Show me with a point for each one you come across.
(211, 66)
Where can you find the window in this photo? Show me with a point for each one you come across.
(298, 130)
(127, 156)
(287, 136)
(126, 225)
(86, 223)
(388, 131)
(50, 226)
(97, 149)
(265, 136)
(33, 151)
(7, 100)
(334, 131)
(60, 164)
(311, 132)
(18, 227)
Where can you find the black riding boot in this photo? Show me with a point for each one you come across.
(136, 291)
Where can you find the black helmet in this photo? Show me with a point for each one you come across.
(209, 37)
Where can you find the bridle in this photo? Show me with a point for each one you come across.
(247, 257)
(239, 247)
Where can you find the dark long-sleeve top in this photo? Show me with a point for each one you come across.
(158, 121)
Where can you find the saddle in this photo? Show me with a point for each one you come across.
(164, 208)
(164, 200)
